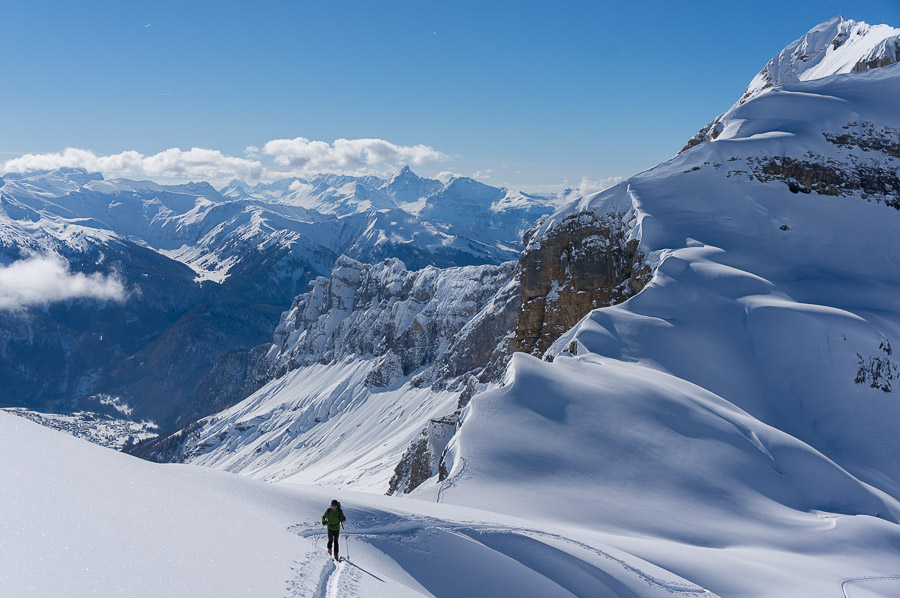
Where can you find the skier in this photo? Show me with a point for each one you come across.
(332, 518)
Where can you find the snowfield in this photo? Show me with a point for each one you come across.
(320, 424)
(627, 456)
(81, 520)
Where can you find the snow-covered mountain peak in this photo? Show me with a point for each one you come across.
(838, 52)
(408, 189)
(50, 183)
(836, 46)
(76, 175)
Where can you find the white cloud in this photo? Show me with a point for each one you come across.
(483, 175)
(585, 187)
(588, 186)
(291, 157)
(446, 175)
(348, 156)
(44, 279)
(196, 163)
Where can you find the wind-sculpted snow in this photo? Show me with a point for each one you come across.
(669, 471)
(85, 521)
(742, 405)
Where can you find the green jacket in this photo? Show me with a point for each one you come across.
(333, 518)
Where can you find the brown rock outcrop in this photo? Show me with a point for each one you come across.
(828, 177)
(583, 263)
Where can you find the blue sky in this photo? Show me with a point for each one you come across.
(525, 93)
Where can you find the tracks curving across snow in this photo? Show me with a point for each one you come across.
(847, 583)
(451, 481)
(542, 563)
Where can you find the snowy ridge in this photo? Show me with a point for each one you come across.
(365, 217)
(836, 46)
(745, 399)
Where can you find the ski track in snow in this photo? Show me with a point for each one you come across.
(325, 578)
(676, 588)
(862, 580)
(451, 481)
(330, 580)
(334, 581)
(504, 540)
(695, 590)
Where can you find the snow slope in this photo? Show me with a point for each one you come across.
(320, 424)
(651, 464)
(359, 366)
(80, 521)
(736, 421)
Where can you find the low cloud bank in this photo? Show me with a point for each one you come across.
(348, 155)
(196, 163)
(298, 157)
(43, 279)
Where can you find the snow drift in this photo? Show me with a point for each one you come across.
(735, 421)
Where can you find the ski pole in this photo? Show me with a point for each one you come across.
(319, 535)
(347, 538)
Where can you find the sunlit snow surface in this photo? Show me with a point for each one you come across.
(836, 46)
(321, 424)
(716, 424)
(737, 421)
(81, 520)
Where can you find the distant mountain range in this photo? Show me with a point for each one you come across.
(208, 272)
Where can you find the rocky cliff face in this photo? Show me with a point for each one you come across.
(585, 262)
(405, 351)
(569, 268)
(427, 323)
(422, 460)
